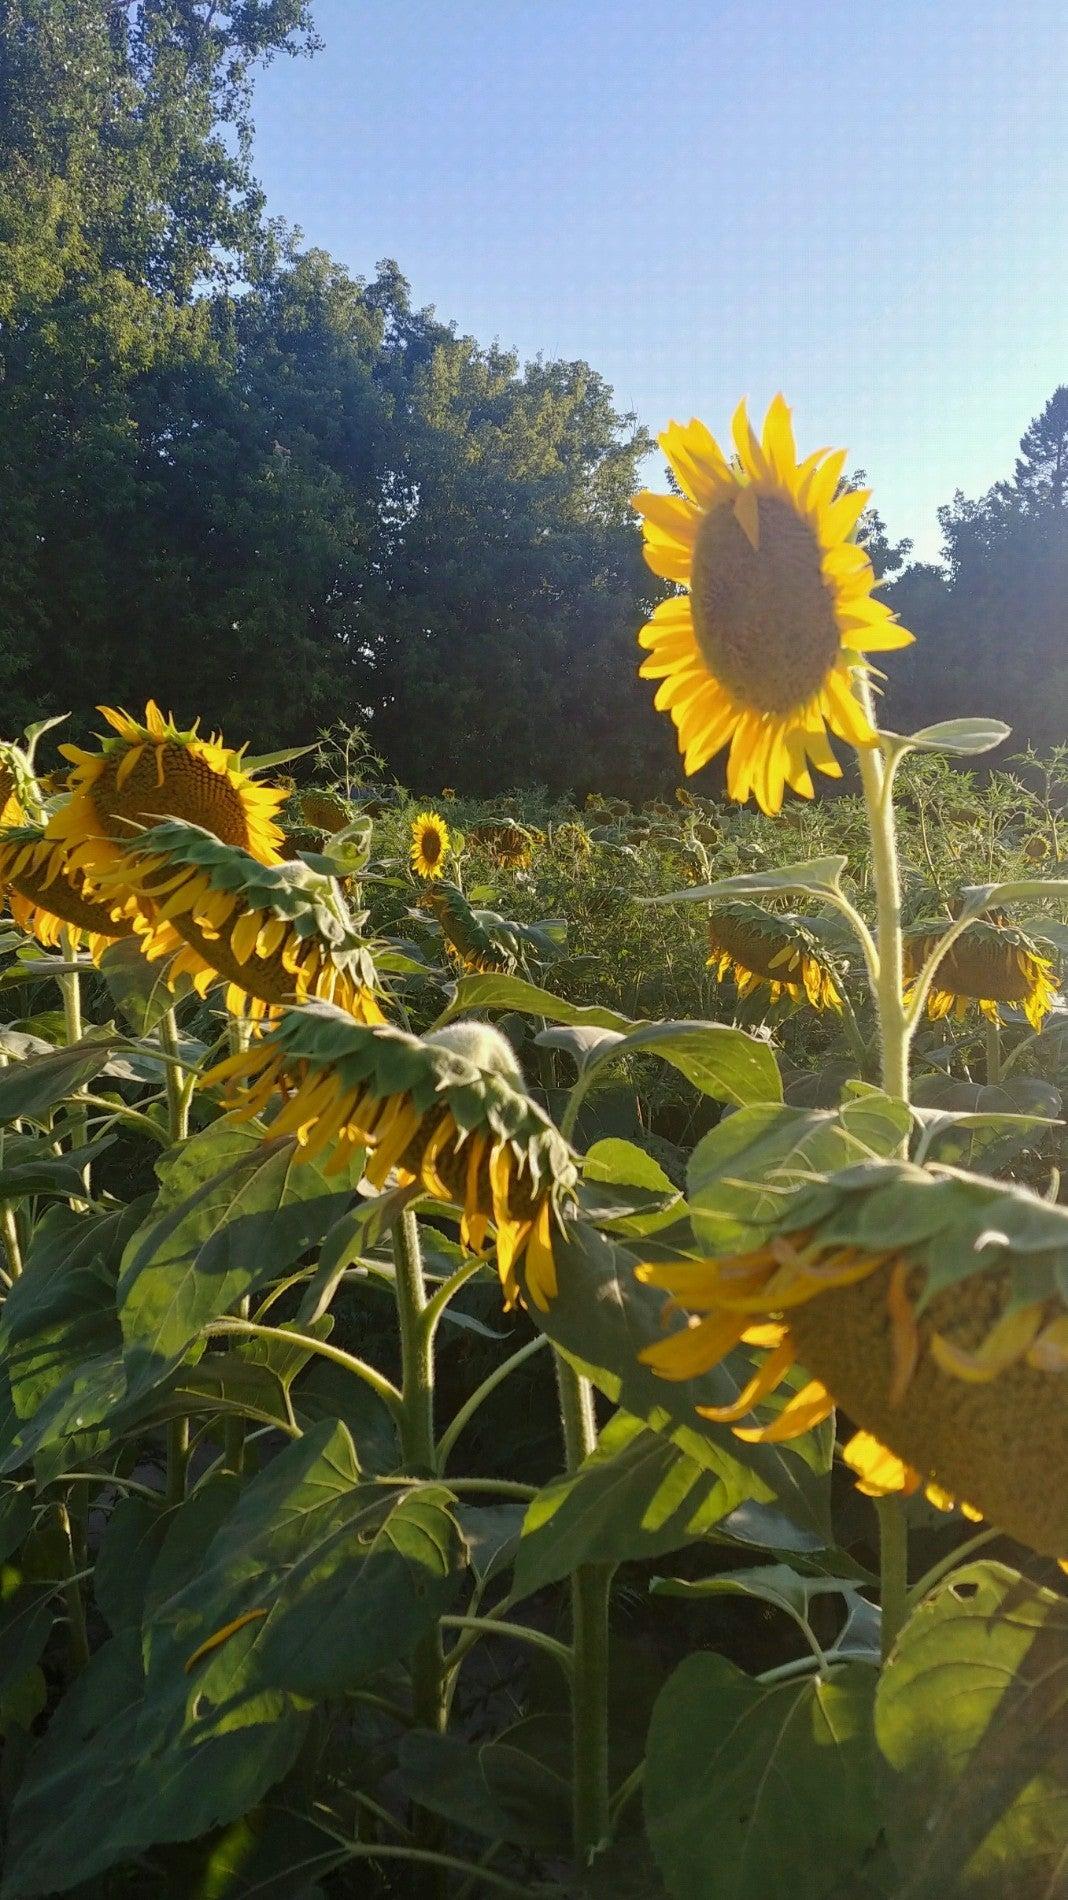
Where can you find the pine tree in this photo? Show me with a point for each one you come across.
(1042, 465)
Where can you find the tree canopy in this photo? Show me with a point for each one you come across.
(266, 490)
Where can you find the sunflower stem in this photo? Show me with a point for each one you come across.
(895, 1033)
(590, 1591)
(70, 985)
(893, 1568)
(993, 1052)
(177, 1093)
(177, 1459)
(417, 1355)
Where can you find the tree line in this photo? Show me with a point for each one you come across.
(240, 478)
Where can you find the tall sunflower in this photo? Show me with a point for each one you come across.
(277, 934)
(988, 964)
(152, 770)
(449, 1112)
(761, 649)
(931, 1306)
(430, 844)
(778, 951)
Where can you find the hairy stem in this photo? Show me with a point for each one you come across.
(590, 1591)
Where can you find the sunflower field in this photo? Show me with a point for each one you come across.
(535, 1338)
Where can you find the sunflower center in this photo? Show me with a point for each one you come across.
(763, 617)
(994, 1444)
(170, 781)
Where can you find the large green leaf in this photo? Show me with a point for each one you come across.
(639, 1494)
(504, 1789)
(512, 992)
(111, 1778)
(754, 1789)
(721, 1061)
(816, 877)
(972, 1724)
(793, 1592)
(336, 1577)
(34, 1087)
(957, 738)
(237, 1227)
(742, 1171)
(602, 1316)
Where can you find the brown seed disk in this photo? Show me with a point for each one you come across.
(763, 617)
(62, 899)
(190, 789)
(263, 977)
(752, 948)
(979, 967)
(1001, 1446)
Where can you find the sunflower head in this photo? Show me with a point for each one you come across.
(509, 846)
(276, 934)
(760, 649)
(430, 844)
(775, 950)
(988, 965)
(932, 1306)
(463, 930)
(46, 896)
(322, 810)
(448, 1112)
(150, 770)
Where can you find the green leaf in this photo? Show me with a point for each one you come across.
(791, 1591)
(978, 898)
(637, 1495)
(602, 1316)
(959, 738)
(742, 1173)
(816, 877)
(239, 1227)
(511, 992)
(754, 1789)
(623, 1163)
(337, 1577)
(721, 1061)
(498, 1790)
(36, 1085)
(111, 1779)
(128, 1551)
(970, 1720)
(141, 989)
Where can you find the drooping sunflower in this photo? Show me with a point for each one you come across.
(761, 649)
(511, 847)
(277, 934)
(448, 1111)
(322, 810)
(45, 896)
(778, 951)
(931, 1306)
(152, 770)
(989, 964)
(464, 931)
(429, 844)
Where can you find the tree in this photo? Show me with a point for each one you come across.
(1042, 464)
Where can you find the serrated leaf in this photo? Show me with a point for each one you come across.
(971, 1721)
(476, 992)
(721, 1061)
(748, 1781)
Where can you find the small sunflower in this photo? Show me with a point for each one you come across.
(151, 770)
(778, 951)
(947, 1346)
(988, 965)
(46, 897)
(511, 847)
(449, 1112)
(430, 844)
(277, 934)
(464, 931)
(761, 649)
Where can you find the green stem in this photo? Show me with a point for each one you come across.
(518, 1633)
(72, 1597)
(417, 1359)
(993, 1052)
(177, 1459)
(178, 1097)
(590, 1591)
(481, 1393)
(9, 1228)
(893, 1568)
(877, 778)
(71, 992)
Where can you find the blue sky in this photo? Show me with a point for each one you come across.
(865, 204)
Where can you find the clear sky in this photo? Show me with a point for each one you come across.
(863, 202)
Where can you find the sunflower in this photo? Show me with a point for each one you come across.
(448, 1111)
(46, 897)
(988, 965)
(322, 810)
(275, 933)
(152, 770)
(464, 931)
(430, 844)
(775, 950)
(761, 648)
(947, 1347)
(511, 847)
